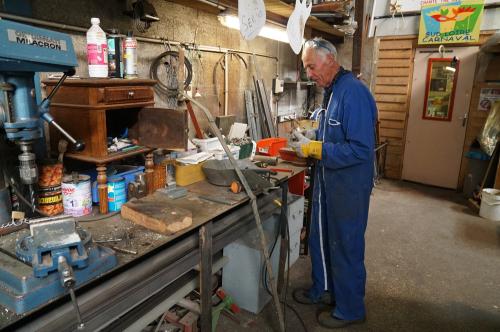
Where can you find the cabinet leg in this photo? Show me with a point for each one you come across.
(149, 173)
(102, 188)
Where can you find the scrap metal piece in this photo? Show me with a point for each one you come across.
(222, 173)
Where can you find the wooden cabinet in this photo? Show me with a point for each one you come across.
(93, 110)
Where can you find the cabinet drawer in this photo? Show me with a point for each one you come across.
(127, 94)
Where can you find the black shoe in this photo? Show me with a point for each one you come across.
(325, 319)
(301, 295)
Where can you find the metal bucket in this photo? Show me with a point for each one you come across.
(77, 197)
(117, 194)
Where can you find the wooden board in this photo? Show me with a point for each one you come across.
(161, 128)
(392, 89)
(157, 213)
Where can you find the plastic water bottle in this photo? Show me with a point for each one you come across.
(97, 50)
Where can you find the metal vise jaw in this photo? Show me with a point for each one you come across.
(50, 239)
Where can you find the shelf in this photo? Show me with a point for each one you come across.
(110, 157)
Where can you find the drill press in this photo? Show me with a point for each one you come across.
(57, 255)
(24, 51)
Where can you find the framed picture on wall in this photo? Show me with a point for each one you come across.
(440, 88)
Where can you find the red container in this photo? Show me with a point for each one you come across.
(271, 146)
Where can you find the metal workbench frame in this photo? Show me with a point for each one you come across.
(114, 302)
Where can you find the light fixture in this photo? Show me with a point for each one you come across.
(271, 31)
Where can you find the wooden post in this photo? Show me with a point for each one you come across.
(206, 276)
(102, 188)
(149, 173)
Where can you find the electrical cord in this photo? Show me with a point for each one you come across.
(156, 65)
(266, 285)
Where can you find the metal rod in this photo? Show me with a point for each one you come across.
(490, 6)
(253, 202)
(204, 48)
(80, 325)
(205, 234)
(58, 85)
(64, 132)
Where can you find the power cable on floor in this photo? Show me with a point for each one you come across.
(266, 285)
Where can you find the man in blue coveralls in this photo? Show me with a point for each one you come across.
(343, 146)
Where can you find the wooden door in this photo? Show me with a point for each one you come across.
(392, 87)
(439, 104)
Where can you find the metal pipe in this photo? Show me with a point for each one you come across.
(490, 6)
(216, 5)
(255, 209)
(203, 48)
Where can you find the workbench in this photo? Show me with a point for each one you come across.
(145, 285)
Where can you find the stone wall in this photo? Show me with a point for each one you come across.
(185, 24)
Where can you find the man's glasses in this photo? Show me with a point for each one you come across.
(319, 43)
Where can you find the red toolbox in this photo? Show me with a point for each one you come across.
(271, 146)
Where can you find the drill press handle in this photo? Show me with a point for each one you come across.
(44, 111)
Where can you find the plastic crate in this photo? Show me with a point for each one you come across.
(271, 146)
(126, 171)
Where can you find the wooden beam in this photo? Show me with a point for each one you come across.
(357, 43)
(276, 11)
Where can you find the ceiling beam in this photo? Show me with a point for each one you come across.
(276, 11)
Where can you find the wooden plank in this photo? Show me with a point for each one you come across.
(395, 54)
(395, 44)
(405, 72)
(391, 107)
(393, 160)
(393, 89)
(393, 63)
(392, 116)
(391, 98)
(393, 133)
(392, 81)
(162, 128)
(391, 124)
(392, 173)
(392, 142)
(157, 213)
(394, 149)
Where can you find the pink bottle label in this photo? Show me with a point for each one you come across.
(97, 54)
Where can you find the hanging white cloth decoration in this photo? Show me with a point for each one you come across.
(297, 23)
(252, 15)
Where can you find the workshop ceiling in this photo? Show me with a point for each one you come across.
(279, 11)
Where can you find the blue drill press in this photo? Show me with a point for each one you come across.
(57, 255)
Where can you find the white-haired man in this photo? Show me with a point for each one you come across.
(343, 146)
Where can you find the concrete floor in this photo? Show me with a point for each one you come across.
(431, 264)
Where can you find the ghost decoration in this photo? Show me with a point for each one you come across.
(297, 23)
(252, 15)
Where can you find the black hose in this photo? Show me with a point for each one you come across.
(162, 87)
(266, 285)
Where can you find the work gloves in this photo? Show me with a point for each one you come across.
(304, 146)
